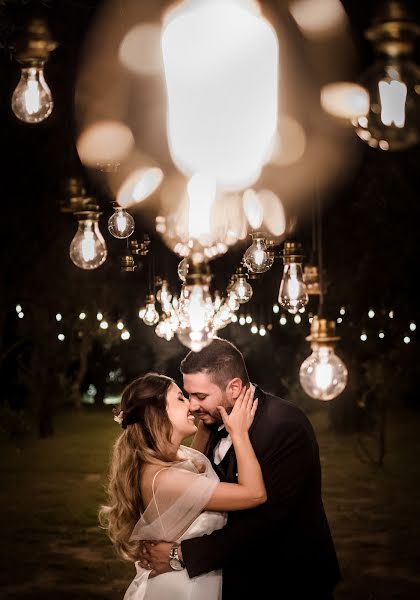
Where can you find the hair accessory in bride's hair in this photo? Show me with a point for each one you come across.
(118, 415)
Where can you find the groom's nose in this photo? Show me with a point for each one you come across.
(194, 405)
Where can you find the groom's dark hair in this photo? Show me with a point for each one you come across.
(221, 360)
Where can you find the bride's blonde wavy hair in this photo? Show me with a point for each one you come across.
(147, 430)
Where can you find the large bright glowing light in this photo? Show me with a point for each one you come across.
(104, 144)
(221, 69)
(201, 194)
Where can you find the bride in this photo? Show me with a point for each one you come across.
(161, 490)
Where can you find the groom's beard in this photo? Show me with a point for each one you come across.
(209, 419)
(213, 418)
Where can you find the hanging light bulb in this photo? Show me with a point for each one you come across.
(257, 257)
(183, 269)
(196, 310)
(121, 223)
(32, 100)
(163, 329)
(393, 119)
(323, 375)
(241, 288)
(164, 296)
(292, 294)
(87, 248)
(151, 315)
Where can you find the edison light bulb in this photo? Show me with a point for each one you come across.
(257, 258)
(393, 121)
(293, 294)
(151, 315)
(121, 224)
(242, 289)
(323, 375)
(88, 249)
(32, 100)
(195, 313)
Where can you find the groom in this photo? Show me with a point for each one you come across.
(282, 549)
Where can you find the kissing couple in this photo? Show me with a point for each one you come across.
(237, 514)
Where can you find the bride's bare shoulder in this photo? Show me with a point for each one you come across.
(148, 478)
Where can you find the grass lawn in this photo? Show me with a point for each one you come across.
(51, 489)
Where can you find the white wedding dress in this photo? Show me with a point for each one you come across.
(175, 514)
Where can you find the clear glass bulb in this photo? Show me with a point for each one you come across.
(195, 340)
(164, 330)
(257, 258)
(393, 120)
(151, 315)
(323, 375)
(183, 269)
(121, 224)
(32, 100)
(242, 289)
(293, 293)
(87, 248)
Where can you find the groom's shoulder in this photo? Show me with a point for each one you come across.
(279, 410)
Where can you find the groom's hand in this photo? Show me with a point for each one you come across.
(154, 556)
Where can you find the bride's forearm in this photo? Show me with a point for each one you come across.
(201, 438)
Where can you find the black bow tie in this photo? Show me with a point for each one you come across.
(222, 433)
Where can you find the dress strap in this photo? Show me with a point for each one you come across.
(153, 493)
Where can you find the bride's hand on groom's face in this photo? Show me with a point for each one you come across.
(154, 557)
(242, 414)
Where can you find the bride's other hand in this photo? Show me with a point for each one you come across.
(242, 414)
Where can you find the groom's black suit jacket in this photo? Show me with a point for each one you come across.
(284, 545)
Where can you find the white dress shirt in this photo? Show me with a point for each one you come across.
(222, 447)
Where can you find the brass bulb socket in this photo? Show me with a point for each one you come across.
(322, 332)
(35, 45)
(87, 215)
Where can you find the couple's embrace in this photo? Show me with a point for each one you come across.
(238, 513)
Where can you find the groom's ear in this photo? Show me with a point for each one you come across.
(234, 388)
